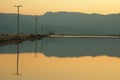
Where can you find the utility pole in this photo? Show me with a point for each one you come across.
(36, 26)
(42, 28)
(18, 8)
(18, 11)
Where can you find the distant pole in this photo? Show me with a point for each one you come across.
(18, 8)
(42, 38)
(18, 11)
(42, 29)
(45, 30)
(36, 25)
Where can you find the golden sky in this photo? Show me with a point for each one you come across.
(40, 7)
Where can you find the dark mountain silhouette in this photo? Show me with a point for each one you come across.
(63, 22)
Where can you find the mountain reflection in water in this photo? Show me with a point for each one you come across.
(54, 68)
(68, 47)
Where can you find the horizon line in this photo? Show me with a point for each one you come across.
(58, 12)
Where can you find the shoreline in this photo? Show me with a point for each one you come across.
(81, 36)
(13, 39)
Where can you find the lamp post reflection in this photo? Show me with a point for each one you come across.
(36, 25)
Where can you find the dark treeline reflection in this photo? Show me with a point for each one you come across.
(68, 47)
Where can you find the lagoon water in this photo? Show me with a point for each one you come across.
(62, 59)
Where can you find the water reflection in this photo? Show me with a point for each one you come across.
(35, 48)
(68, 47)
(61, 59)
(54, 68)
(17, 60)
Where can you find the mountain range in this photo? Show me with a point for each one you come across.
(63, 23)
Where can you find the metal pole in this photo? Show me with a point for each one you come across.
(42, 38)
(36, 25)
(17, 68)
(36, 19)
(18, 8)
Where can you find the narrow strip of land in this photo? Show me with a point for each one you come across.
(13, 39)
(78, 36)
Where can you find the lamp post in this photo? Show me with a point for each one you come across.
(18, 11)
(36, 25)
(18, 8)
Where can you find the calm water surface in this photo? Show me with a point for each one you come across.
(63, 59)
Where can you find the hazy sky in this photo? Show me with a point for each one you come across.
(42, 6)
